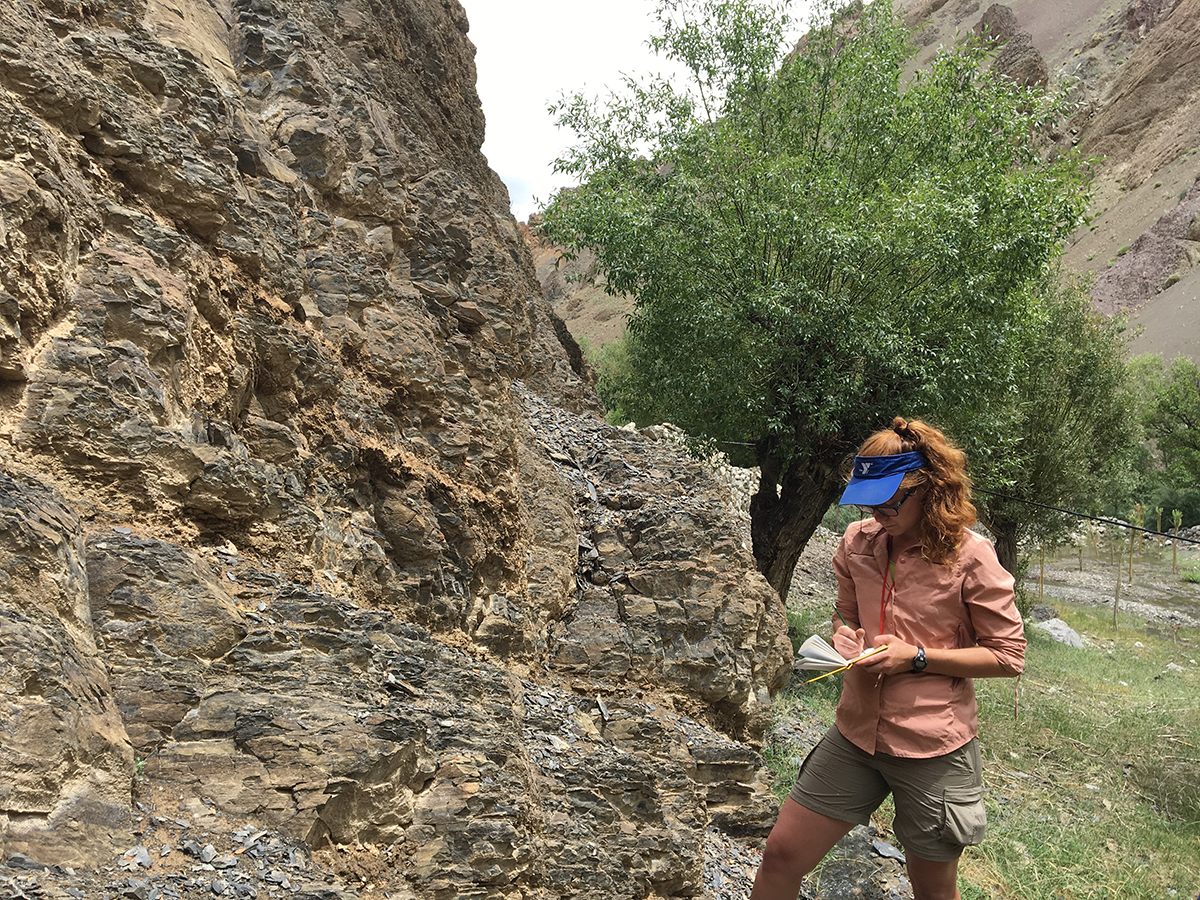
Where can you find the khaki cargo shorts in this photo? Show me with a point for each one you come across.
(939, 801)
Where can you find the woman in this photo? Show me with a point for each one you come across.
(916, 579)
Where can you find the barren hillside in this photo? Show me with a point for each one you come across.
(1135, 67)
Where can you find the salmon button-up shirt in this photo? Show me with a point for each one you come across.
(967, 604)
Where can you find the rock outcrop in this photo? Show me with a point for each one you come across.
(1164, 254)
(1016, 57)
(307, 520)
(576, 291)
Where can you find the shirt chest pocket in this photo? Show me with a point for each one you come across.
(864, 569)
(928, 605)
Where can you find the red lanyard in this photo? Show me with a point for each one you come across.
(888, 591)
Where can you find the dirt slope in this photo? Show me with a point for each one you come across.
(1136, 67)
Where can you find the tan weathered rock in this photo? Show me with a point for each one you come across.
(1016, 56)
(65, 758)
(297, 468)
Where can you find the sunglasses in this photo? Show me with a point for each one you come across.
(889, 510)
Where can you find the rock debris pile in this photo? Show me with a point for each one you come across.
(251, 864)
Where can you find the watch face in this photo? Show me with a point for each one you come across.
(919, 660)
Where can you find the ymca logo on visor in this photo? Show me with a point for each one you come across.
(876, 478)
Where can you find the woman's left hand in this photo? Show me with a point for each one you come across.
(897, 658)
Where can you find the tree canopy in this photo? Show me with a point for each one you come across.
(1069, 431)
(814, 241)
(1169, 402)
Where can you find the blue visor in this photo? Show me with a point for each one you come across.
(877, 478)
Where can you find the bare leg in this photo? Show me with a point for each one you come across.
(799, 840)
(933, 880)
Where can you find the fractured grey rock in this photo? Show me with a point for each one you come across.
(296, 462)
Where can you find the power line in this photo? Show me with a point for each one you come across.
(1071, 512)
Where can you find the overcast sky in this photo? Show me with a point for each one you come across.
(530, 51)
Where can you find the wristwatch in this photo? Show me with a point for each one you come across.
(919, 661)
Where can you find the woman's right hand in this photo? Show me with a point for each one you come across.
(848, 642)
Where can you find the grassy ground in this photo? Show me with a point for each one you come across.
(1093, 788)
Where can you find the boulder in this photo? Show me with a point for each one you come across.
(1061, 632)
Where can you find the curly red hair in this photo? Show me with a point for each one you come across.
(947, 506)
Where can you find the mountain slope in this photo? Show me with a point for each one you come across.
(1134, 69)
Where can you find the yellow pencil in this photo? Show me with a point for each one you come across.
(848, 665)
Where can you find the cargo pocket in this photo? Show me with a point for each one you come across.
(964, 818)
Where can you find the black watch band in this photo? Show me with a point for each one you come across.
(919, 661)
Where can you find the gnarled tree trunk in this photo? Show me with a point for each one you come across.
(1004, 536)
(787, 509)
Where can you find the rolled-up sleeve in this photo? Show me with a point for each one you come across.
(987, 592)
(967, 604)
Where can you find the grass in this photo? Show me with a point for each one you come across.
(817, 700)
(1093, 790)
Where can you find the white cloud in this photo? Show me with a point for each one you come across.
(529, 53)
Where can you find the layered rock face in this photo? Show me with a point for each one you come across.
(1016, 57)
(306, 517)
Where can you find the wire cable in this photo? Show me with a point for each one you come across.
(1106, 521)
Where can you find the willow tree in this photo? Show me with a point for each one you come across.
(1169, 406)
(1069, 432)
(814, 241)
